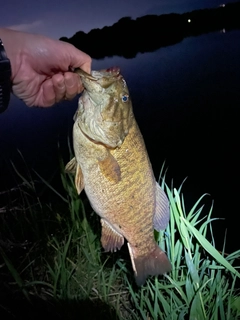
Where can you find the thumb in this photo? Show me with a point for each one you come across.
(79, 59)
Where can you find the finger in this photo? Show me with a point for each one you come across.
(79, 59)
(86, 66)
(46, 97)
(59, 86)
(73, 85)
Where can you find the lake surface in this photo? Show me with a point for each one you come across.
(186, 100)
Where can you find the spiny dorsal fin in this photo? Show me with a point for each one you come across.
(161, 217)
(110, 168)
(111, 240)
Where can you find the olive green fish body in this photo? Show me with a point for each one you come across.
(118, 180)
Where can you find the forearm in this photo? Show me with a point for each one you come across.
(14, 43)
(5, 73)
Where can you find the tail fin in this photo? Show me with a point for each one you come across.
(152, 264)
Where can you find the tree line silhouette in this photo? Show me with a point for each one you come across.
(127, 37)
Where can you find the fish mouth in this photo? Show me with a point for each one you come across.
(84, 74)
(105, 76)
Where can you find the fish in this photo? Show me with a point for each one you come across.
(112, 165)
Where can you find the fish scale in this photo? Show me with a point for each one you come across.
(112, 165)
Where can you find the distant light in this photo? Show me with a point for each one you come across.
(189, 20)
(222, 5)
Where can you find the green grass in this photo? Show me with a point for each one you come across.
(52, 263)
(202, 284)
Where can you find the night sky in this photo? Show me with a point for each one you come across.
(57, 18)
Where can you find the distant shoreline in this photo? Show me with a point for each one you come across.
(127, 37)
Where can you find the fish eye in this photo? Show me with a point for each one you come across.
(125, 98)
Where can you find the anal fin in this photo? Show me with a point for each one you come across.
(111, 240)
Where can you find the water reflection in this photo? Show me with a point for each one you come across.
(185, 99)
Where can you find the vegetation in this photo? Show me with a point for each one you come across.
(52, 263)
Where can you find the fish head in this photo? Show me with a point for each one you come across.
(105, 110)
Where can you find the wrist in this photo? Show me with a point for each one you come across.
(5, 78)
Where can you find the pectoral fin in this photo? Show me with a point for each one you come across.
(161, 217)
(79, 182)
(111, 240)
(110, 168)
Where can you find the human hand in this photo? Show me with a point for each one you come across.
(40, 67)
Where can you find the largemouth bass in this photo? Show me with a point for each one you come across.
(112, 165)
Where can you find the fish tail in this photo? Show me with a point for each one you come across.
(152, 264)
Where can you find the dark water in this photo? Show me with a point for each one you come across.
(186, 101)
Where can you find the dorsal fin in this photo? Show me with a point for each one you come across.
(161, 216)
